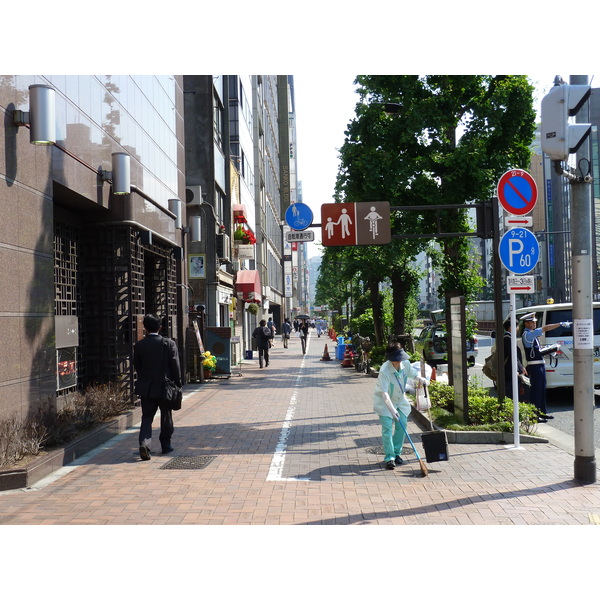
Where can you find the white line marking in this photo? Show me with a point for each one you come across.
(278, 460)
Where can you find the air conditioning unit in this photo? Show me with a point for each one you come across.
(223, 247)
(193, 195)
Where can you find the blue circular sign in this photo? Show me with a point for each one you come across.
(519, 250)
(299, 216)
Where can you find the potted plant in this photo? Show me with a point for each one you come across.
(253, 308)
(243, 236)
(209, 364)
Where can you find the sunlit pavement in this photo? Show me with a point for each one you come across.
(298, 443)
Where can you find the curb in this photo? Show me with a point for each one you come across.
(475, 437)
(11, 479)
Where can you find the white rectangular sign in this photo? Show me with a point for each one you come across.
(300, 236)
(583, 334)
(513, 221)
(520, 284)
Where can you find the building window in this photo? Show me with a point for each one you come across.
(218, 121)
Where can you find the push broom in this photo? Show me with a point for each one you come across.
(393, 412)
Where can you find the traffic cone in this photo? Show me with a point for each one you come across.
(326, 354)
(347, 362)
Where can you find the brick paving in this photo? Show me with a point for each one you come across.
(298, 443)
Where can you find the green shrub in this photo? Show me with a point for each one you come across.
(441, 395)
(485, 411)
(377, 356)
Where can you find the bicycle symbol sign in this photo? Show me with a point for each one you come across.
(299, 216)
(519, 250)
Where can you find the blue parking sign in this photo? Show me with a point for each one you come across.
(519, 250)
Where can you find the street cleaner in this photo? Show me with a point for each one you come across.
(390, 387)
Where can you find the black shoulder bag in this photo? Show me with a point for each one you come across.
(172, 394)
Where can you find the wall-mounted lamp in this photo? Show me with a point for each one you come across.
(41, 117)
(120, 174)
(175, 207)
(195, 229)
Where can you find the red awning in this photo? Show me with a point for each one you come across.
(247, 283)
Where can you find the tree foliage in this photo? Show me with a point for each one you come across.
(449, 141)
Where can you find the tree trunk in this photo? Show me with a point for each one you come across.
(399, 294)
(375, 298)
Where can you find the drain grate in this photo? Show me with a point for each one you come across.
(188, 462)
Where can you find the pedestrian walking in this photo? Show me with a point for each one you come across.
(536, 366)
(262, 335)
(286, 329)
(303, 329)
(273, 329)
(320, 326)
(393, 377)
(154, 358)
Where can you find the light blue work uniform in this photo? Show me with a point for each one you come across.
(394, 383)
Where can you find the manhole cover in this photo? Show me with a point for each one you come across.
(188, 462)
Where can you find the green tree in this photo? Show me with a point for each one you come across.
(451, 140)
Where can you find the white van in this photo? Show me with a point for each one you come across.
(559, 368)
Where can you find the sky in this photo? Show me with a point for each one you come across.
(320, 131)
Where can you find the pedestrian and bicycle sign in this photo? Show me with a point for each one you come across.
(299, 216)
(517, 192)
(355, 224)
(519, 250)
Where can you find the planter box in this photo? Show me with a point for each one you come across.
(245, 251)
(38, 468)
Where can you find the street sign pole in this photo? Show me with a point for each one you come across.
(519, 252)
(500, 387)
(583, 365)
(513, 356)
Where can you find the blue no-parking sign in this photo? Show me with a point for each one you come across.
(517, 192)
(519, 250)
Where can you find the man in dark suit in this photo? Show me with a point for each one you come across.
(154, 360)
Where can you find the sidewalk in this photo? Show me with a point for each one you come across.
(298, 443)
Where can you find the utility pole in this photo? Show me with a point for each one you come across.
(559, 140)
(583, 324)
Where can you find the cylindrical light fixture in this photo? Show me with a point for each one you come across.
(195, 229)
(121, 173)
(175, 208)
(42, 114)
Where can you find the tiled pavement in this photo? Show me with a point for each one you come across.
(298, 443)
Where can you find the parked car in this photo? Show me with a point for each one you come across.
(433, 346)
(559, 366)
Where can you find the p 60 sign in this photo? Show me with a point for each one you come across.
(519, 250)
